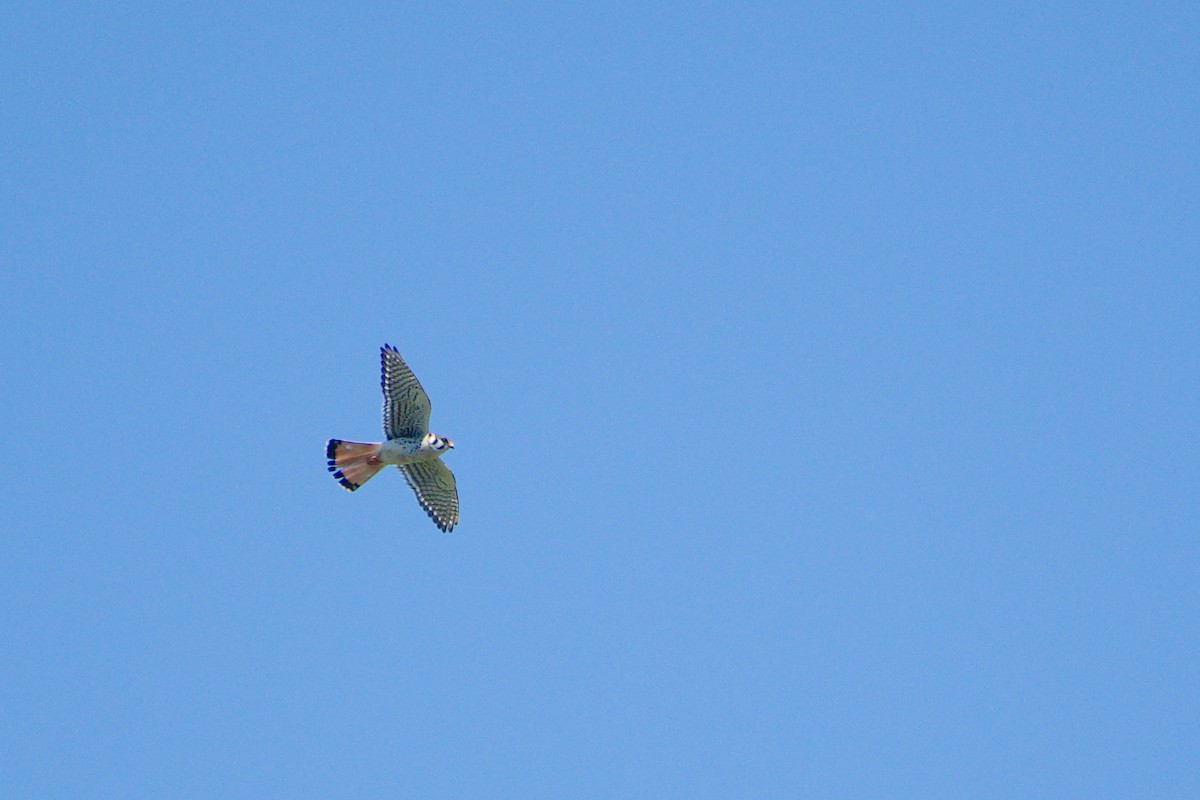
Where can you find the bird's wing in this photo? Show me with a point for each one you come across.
(405, 404)
(433, 483)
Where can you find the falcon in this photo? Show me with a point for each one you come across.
(410, 446)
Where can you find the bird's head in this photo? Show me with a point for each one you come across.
(439, 443)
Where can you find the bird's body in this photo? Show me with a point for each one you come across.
(409, 446)
(408, 451)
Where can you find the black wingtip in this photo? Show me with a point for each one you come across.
(444, 527)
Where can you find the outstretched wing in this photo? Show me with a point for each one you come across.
(405, 404)
(433, 483)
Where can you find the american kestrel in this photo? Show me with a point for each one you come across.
(410, 446)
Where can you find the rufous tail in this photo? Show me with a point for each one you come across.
(353, 463)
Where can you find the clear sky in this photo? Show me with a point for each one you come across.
(823, 380)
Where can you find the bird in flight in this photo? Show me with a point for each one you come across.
(410, 446)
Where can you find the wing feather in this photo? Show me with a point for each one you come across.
(433, 484)
(405, 405)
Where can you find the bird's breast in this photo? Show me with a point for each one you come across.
(400, 451)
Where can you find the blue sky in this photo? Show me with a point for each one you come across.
(823, 380)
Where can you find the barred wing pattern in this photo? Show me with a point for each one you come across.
(433, 483)
(405, 404)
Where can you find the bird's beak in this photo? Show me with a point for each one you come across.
(450, 444)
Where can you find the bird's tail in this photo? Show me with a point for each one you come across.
(353, 463)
